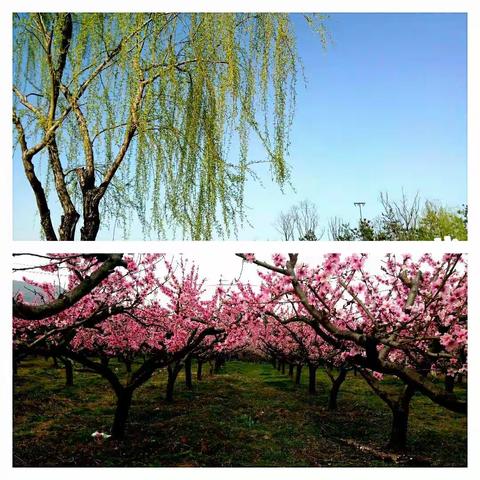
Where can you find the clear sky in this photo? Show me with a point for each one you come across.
(384, 109)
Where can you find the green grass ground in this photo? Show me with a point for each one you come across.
(248, 415)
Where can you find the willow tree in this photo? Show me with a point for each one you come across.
(151, 113)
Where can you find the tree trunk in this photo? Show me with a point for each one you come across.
(124, 400)
(398, 434)
(69, 218)
(274, 362)
(336, 384)
(312, 379)
(400, 410)
(172, 377)
(449, 383)
(298, 375)
(40, 197)
(91, 215)
(199, 370)
(188, 373)
(68, 372)
(128, 366)
(283, 366)
(104, 361)
(68, 224)
(55, 362)
(219, 362)
(290, 370)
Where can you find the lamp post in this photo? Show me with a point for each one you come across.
(359, 205)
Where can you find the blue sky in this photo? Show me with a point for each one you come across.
(384, 109)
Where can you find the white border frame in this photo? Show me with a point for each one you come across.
(8, 246)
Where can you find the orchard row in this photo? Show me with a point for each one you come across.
(405, 318)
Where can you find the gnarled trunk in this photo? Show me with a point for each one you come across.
(70, 216)
(68, 225)
(91, 215)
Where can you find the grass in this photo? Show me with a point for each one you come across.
(248, 415)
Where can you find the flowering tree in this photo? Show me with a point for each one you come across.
(315, 353)
(121, 317)
(285, 338)
(50, 303)
(408, 321)
(189, 311)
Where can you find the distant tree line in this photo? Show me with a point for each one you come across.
(404, 219)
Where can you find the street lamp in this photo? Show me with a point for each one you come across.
(359, 205)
